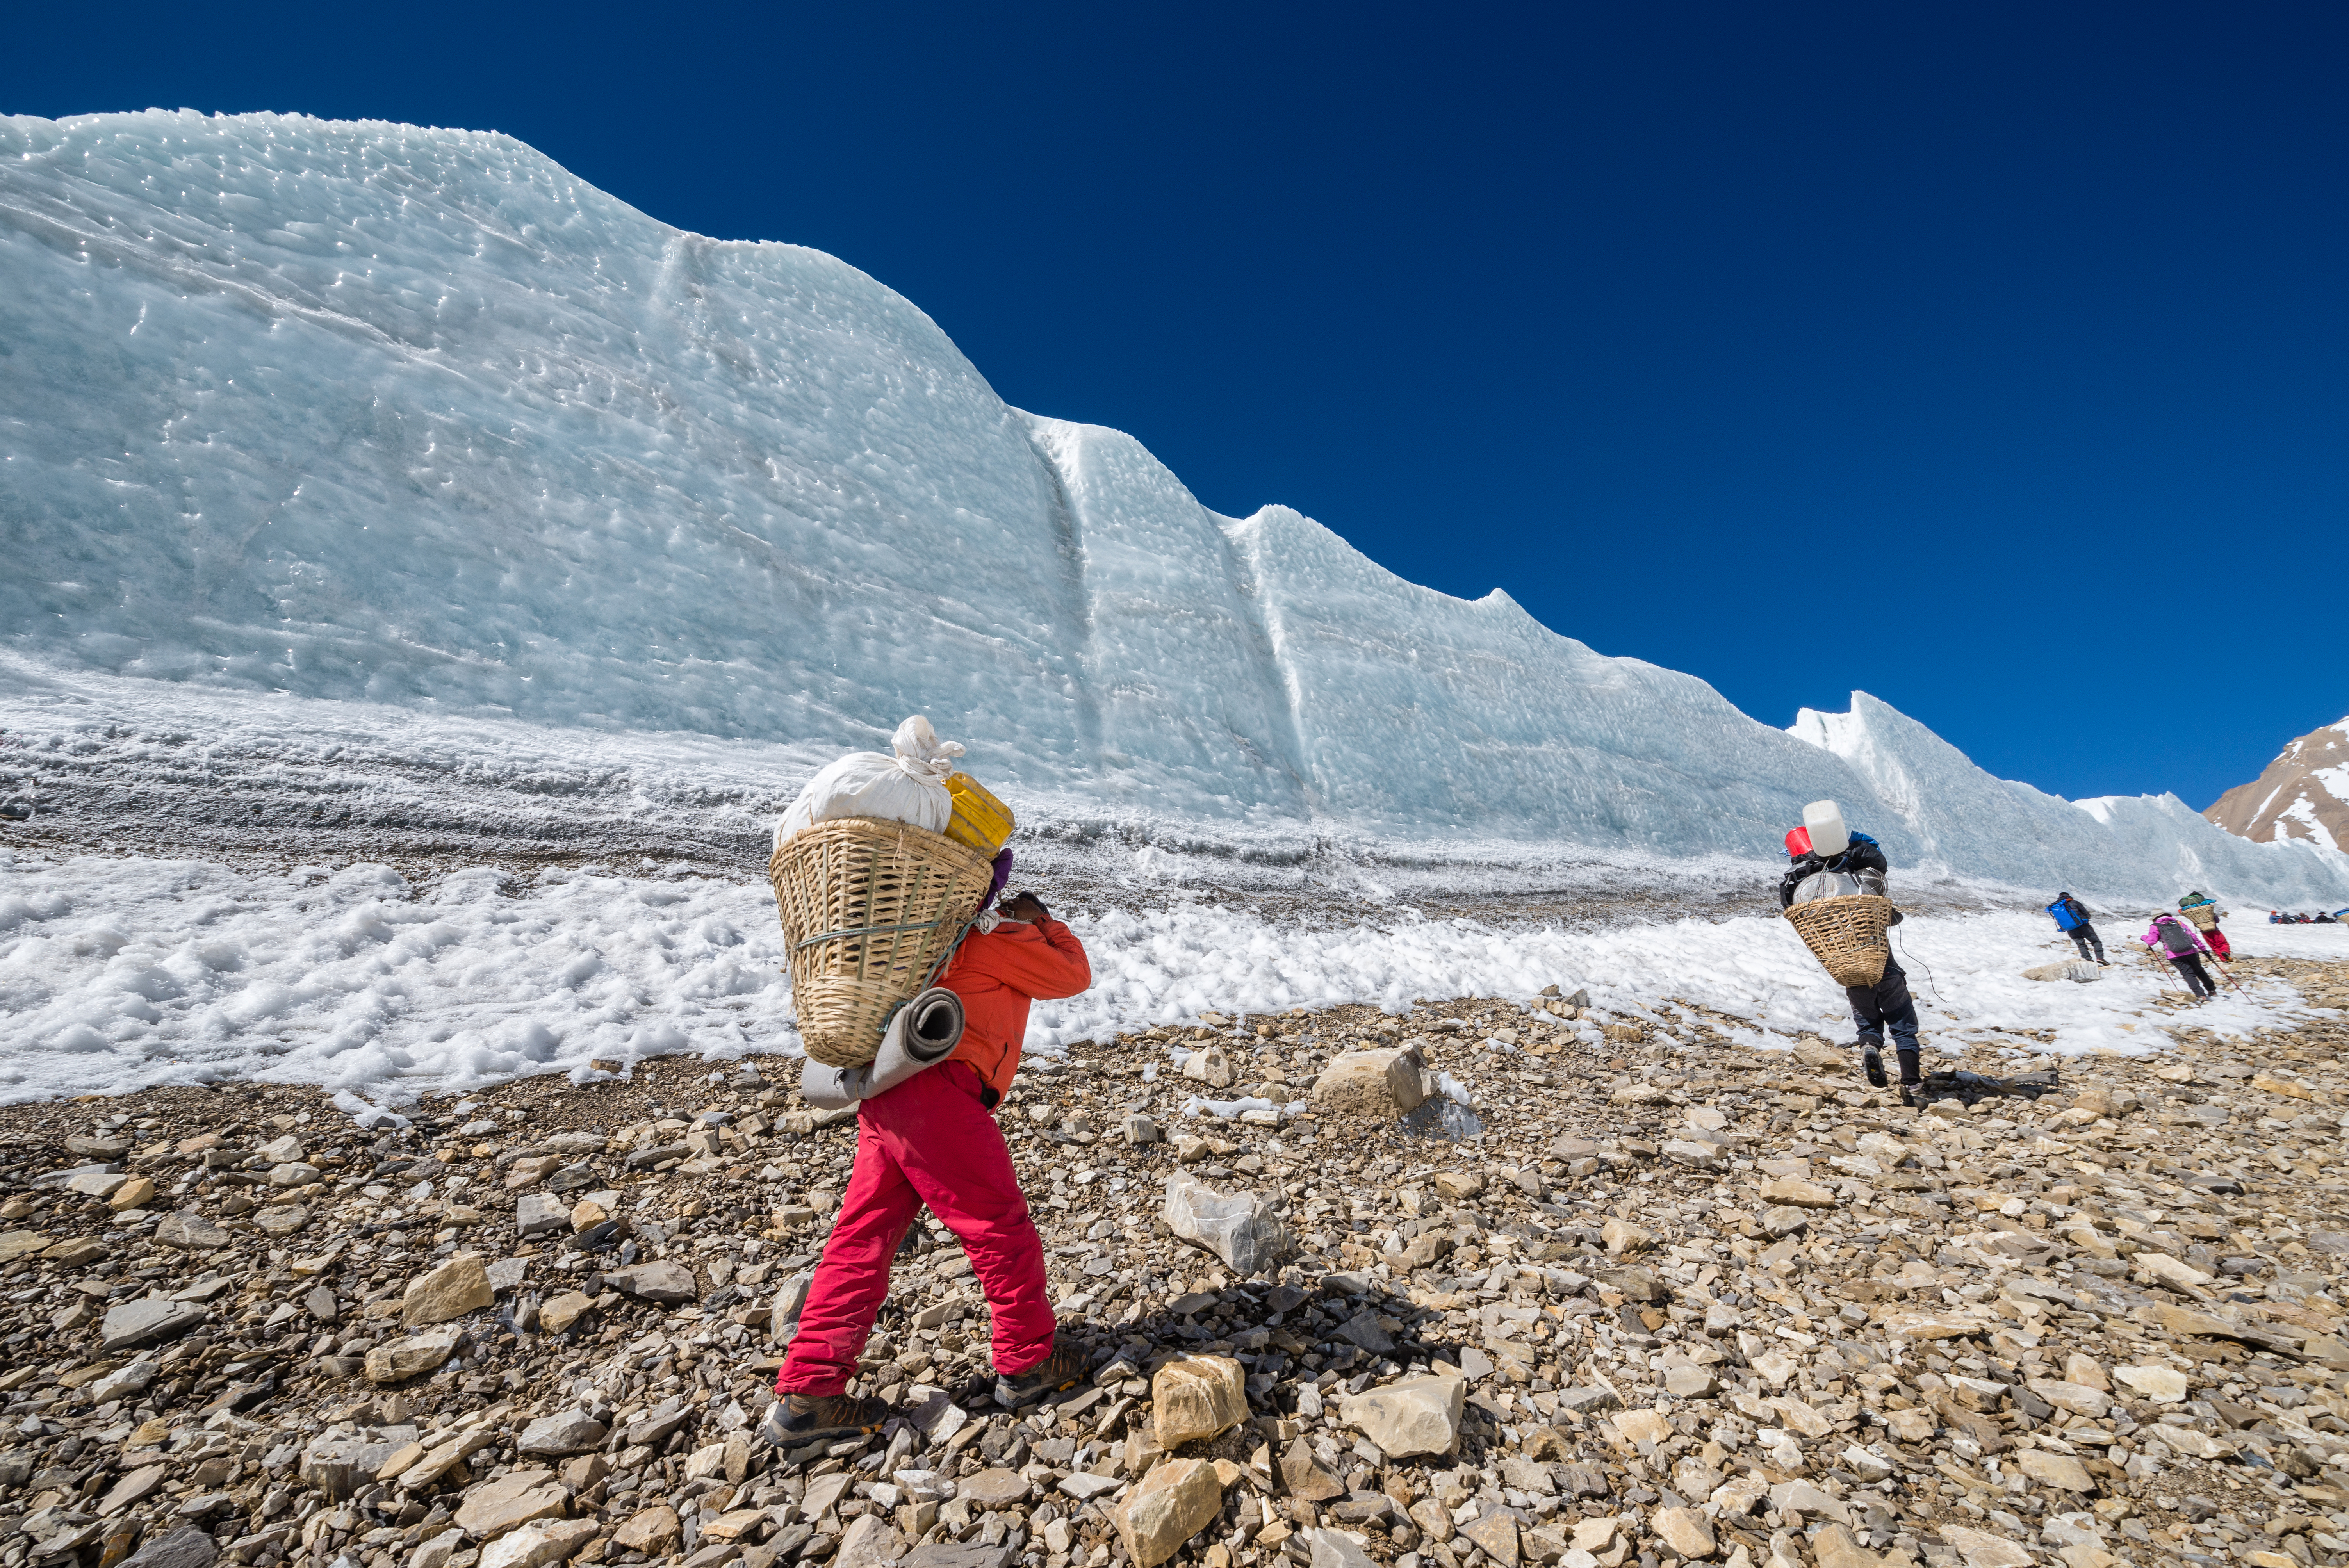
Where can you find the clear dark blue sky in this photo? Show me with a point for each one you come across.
(1989, 358)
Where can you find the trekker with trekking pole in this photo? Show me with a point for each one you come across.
(2072, 920)
(2204, 912)
(1886, 1005)
(2183, 946)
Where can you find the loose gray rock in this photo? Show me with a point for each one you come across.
(571, 1431)
(186, 1547)
(1240, 1228)
(152, 1321)
(190, 1233)
(664, 1282)
(538, 1214)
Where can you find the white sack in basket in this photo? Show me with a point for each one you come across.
(1838, 884)
(907, 788)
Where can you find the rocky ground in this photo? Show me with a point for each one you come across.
(1673, 1302)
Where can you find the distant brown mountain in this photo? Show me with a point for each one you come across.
(2303, 794)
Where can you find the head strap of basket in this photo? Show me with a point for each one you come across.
(1845, 935)
(871, 911)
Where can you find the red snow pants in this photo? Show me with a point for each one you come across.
(927, 1141)
(2218, 948)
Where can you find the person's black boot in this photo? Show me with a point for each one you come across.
(795, 1418)
(1912, 1081)
(1064, 1368)
(1871, 1062)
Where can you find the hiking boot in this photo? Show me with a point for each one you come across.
(796, 1419)
(1871, 1062)
(1064, 1368)
(1912, 1093)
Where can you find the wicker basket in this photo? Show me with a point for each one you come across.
(1847, 936)
(870, 910)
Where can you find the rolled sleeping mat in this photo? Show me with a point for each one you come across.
(921, 1034)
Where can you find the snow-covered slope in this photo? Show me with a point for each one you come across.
(2302, 794)
(373, 415)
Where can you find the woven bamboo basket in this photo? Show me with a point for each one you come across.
(1847, 936)
(870, 912)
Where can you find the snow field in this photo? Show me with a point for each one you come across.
(117, 972)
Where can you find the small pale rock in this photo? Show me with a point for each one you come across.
(2059, 1470)
(397, 1360)
(1413, 1415)
(132, 1194)
(538, 1214)
(534, 1545)
(1798, 1193)
(1834, 1547)
(281, 1219)
(2162, 1385)
(1302, 1476)
(1169, 1506)
(992, 1488)
(497, 1506)
(1495, 1530)
(1685, 1530)
(1642, 1425)
(457, 1287)
(1622, 1236)
(1981, 1549)
(1209, 1066)
(1195, 1398)
(653, 1532)
(557, 1312)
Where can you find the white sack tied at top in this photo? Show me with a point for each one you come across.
(910, 787)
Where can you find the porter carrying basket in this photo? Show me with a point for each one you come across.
(1847, 936)
(870, 910)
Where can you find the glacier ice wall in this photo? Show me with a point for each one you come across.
(382, 414)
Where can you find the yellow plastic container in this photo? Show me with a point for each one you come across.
(980, 821)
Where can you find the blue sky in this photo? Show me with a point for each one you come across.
(1988, 359)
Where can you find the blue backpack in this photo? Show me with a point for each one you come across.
(2065, 919)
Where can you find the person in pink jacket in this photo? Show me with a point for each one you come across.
(2183, 946)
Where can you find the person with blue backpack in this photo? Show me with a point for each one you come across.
(2072, 920)
(1886, 1005)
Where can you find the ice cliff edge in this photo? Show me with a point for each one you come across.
(379, 414)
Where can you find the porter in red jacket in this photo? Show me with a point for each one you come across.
(932, 1141)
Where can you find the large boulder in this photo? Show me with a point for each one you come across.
(1239, 1227)
(1372, 1083)
(1196, 1397)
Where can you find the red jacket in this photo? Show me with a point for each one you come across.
(997, 973)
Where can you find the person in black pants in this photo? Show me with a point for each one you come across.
(1886, 1005)
(2183, 946)
(2083, 935)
